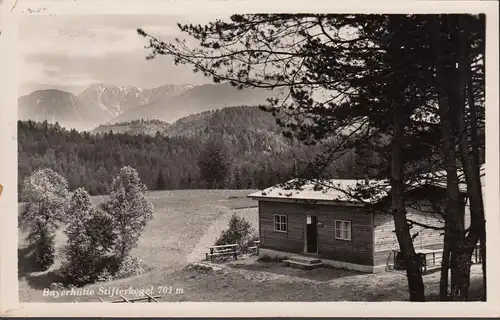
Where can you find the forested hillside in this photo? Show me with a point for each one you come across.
(259, 154)
(135, 127)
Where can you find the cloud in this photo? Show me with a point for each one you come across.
(53, 74)
(79, 40)
(80, 50)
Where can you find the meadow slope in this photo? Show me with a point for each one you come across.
(185, 223)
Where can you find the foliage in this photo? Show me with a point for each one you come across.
(268, 258)
(105, 276)
(215, 163)
(239, 232)
(363, 79)
(261, 156)
(46, 193)
(161, 183)
(45, 250)
(129, 267)
(90, 240)
(128, 209)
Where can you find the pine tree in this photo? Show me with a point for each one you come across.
(379, 83)
(215, 162)
(129, 209)
(160, 182)
(90, 239)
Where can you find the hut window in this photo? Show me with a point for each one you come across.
(342, 230)
(280, 223)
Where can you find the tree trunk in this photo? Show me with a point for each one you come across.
(469, 154)
(411, 259)
(445, 267)
(454, 214)
(475, 142)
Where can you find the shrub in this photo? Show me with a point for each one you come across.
(250, 242)
(56, 286)
(105, 276)
(268, 258)
(129, 267)
(239, 232)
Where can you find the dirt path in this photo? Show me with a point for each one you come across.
(215, 229)
(208, 239)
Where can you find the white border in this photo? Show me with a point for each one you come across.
(8, 167)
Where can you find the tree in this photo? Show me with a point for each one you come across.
(90, 238)
(215, 162)
(161, 184)
(350, 79)
(458, 40)
(177, 155)
(129, 210)
(307, 55)
(46, 195)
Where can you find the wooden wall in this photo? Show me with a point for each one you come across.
(385, 236)
(291, 241)
(359, 250)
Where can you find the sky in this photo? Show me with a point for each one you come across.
(70, 52)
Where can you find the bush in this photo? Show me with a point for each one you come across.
(105, 276)
(56, 286)
(45, 250)
(79, 270)
(268, 258)
(239, 232)
(129, 267)
(250, 242)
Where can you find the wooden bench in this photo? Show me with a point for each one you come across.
(223, 251)
(430, 260)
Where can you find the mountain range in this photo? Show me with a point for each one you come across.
(103, 103)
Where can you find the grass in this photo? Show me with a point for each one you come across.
(247, 286)
(319, 274)
(185, 223)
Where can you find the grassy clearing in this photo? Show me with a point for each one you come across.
(188, 221)
(236, 285)
(185, 222)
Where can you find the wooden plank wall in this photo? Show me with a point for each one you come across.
(293, 239)
(359, 250)
(385, 236)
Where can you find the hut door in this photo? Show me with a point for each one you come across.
(312, 234)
